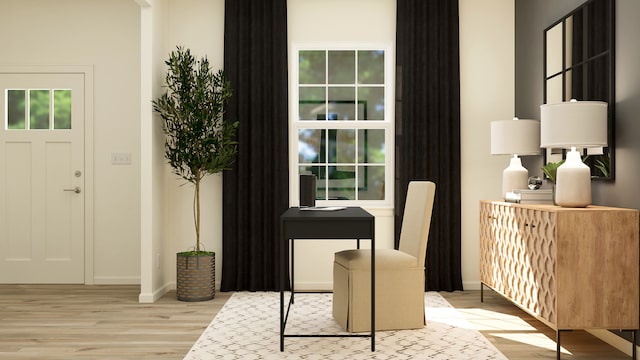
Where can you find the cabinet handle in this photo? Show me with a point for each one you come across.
(532, 225)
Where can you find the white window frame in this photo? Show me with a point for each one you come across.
(387, 124)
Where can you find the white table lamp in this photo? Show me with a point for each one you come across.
(571, 125)
(515, 137)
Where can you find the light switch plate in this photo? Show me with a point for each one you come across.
(123, 158)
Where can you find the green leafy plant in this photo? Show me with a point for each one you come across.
(550, 169)
(198, 140)
(603, 163)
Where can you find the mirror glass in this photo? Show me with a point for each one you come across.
(579, 64)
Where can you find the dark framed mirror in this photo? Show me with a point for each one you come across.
(579, 63)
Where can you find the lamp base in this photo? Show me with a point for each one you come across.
(573, 182)
(514, 176)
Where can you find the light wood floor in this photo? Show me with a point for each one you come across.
(519, 336)
(107, 322)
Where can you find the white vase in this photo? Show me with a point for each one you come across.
(573, 182)
(514, 176)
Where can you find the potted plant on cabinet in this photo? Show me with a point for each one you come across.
(198, 143)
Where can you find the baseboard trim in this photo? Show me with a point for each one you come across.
(314, 286)
(154, 296)
(116, 280)
(471, 285)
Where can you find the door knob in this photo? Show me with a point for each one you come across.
(76, 190)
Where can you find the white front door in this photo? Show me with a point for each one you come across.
(42, 178)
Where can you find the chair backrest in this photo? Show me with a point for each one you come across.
(416, 219)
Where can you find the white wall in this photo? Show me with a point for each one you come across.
(199, 26)
(153, 204)
(487, 93)
(166, 212)
(341, 22)
(82, 32)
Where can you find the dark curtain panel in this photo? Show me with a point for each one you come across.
(428, 127)
(256, 190)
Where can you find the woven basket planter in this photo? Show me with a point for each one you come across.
(196, 277)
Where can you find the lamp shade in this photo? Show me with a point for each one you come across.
(521, 137)
(573, 124)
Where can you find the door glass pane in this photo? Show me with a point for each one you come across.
(62, 109)
(16, 109)
(371, 67)
(39, 109)
(312, 67)
(342, 67)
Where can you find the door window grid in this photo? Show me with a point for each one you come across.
(38, 109)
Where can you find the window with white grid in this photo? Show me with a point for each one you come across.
(342, 127)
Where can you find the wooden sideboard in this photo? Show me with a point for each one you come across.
(571, 268)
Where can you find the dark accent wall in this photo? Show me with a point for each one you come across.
(531, 18)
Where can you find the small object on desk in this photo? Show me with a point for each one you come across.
(323, 208)
(535, 182)
(524, 196)
(307, 190)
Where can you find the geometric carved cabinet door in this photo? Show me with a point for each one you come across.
(517, 257)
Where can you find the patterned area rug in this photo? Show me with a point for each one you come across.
(247, 328)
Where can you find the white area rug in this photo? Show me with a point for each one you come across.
(247, 328)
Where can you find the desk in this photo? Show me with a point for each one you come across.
(295, 224)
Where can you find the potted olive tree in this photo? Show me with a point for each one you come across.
(198, 143)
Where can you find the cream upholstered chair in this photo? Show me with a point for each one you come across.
(399, 273)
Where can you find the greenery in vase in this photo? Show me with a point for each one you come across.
(603, 163)
(550, 169)
(198, 140)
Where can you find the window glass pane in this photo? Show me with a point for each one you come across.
(39, 109)
(342, 146)
(312, 67)
(309, 145)
(371, 67)
(342, 103)
(16, 109)
(62, 109)
(371, 182)
(312, 103)
(342, 67)
(341, 183)
(373, 98)
(371, 146)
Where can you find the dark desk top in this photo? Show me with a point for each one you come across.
(349, 213)
(348, 223)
